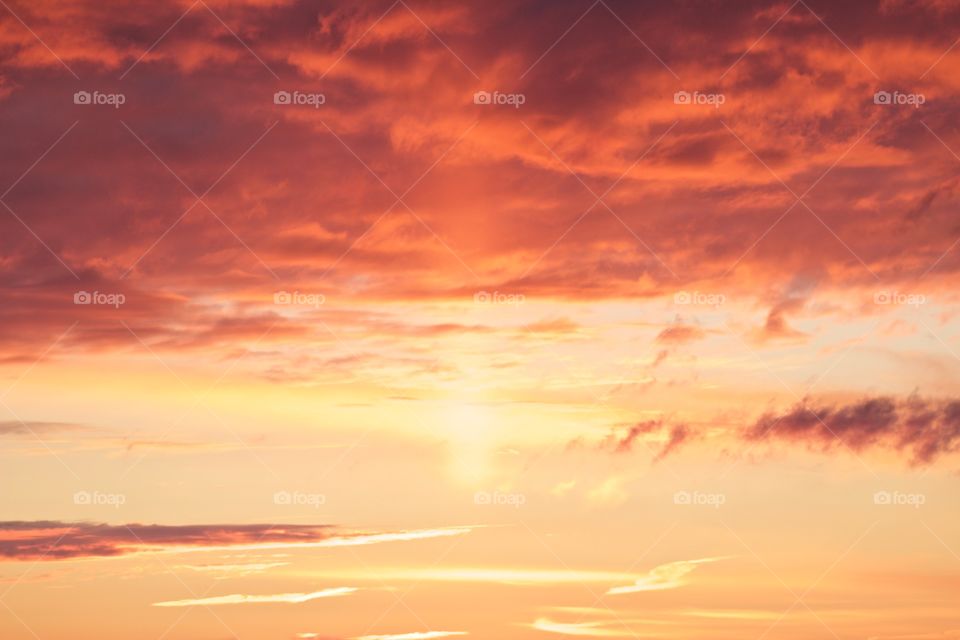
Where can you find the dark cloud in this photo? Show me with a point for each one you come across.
(54, 540)
(927, 429)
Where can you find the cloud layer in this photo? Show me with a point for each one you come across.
(303, 199)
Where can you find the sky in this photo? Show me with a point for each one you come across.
(531, 319)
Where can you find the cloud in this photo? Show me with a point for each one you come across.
(673, 337)
(939, 7)
(304, 208)
(518, 576)
(666, 576)
(416, 635)
(946, 635)
(609, 493)
(734, 614)
(237, 598)
(54, 540)
(585, 629)
(679, 334)
(399, 536)
(29, 427)
(672, 435)
(563, 488)
(925, 428)
(776, 327)
(233, 570)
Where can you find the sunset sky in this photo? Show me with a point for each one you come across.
(532, 319)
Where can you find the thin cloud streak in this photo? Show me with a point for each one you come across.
(483, 575)
(427, 635)
(666, 576)
(238, 598)
(583, 629)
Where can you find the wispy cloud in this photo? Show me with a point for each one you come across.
(492, 575)
(233, 570)
(611, 492)
(425, 635)
(664, 576)
(587, 629)
(31, 427)
(239, 598)
(735, 614)
(666, 437)
(399, 536)
(946, 635)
